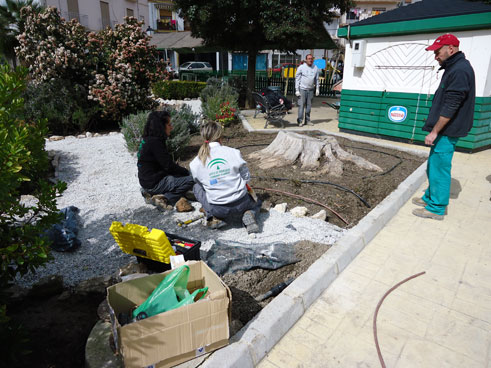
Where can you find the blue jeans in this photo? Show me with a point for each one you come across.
(438, 170)
(305, 101)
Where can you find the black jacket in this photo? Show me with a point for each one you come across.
(155, 162)
(454, 97)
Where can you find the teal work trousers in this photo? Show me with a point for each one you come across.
(438, 170)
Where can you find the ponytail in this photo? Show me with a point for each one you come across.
(210, 132)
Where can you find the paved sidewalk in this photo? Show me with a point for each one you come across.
(440, 319)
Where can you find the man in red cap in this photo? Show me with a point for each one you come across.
(450, 117)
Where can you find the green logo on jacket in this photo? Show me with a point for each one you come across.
(218, 167)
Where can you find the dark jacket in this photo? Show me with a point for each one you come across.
(155, 163)
(454, 97)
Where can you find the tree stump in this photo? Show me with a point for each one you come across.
(288, 147)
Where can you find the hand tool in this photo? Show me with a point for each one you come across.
(191, 220)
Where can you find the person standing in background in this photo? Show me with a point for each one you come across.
(306, 81)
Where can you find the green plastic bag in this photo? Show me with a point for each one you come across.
(170, 294)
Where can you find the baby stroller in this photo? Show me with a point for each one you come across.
(272, 104)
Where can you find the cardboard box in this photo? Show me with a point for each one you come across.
(176, 336)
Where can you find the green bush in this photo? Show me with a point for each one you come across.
(214, 95)
(22, 159)
(63, 104)
(184, 122)
(177, 90)
(132, 128)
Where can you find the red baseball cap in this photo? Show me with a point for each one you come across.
(446, 39)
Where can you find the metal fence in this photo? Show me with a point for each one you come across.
(262, 81)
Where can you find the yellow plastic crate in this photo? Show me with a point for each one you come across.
(138, 241)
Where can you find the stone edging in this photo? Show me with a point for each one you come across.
(253, 342)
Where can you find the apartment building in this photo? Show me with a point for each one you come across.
(96, 14)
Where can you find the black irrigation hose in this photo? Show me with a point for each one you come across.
(316, 182)
(385, 153)
(253, 145)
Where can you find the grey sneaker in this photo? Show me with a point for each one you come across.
(215, 223)
(249, 220)
(419, 202)
(161, 202)
(300, 123)
(310, 123)
(424, 213)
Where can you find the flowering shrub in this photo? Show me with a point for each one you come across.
(214, 96)
(115, 68)
(226, 114)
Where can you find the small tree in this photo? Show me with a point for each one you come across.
(253, 25)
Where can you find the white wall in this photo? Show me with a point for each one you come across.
(90, 11)
(401, 64)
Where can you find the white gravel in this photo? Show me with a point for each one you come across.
(101, 177)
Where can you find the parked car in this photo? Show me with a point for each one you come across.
(195, 66)
(278, 68)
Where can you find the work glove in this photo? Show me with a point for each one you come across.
(297, 93)
(317, 92)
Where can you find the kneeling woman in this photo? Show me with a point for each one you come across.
(221, 176)
(163, 181)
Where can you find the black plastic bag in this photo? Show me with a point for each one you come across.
(64, 235)
(229, 256)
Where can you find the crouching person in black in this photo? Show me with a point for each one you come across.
(163, 181)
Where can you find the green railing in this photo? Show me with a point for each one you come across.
(262, 80)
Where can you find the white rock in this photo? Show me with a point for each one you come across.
(113, 133)
(299, 211)
(88, 134)
(56, 138)
(70, 137)
(81, 136)
(281, 207)
(321, 215)
(97, 135)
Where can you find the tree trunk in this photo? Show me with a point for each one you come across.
(251, 77)
(288, 147)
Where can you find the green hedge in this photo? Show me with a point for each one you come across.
(177, 90)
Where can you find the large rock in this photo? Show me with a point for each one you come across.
(321, 215)
(47, 286)
(299, 211)
(98, 352)
(281, 207)
(95, 285)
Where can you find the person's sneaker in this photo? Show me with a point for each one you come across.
(310, 123)
(299, 122)
(249, 220)
(161, 202)
(146, 196)
(419, 202)
(183, 205)
(424, 213)
(214, 223)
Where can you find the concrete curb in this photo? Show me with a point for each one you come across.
(262, 333)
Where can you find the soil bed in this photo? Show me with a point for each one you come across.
(59, 327)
